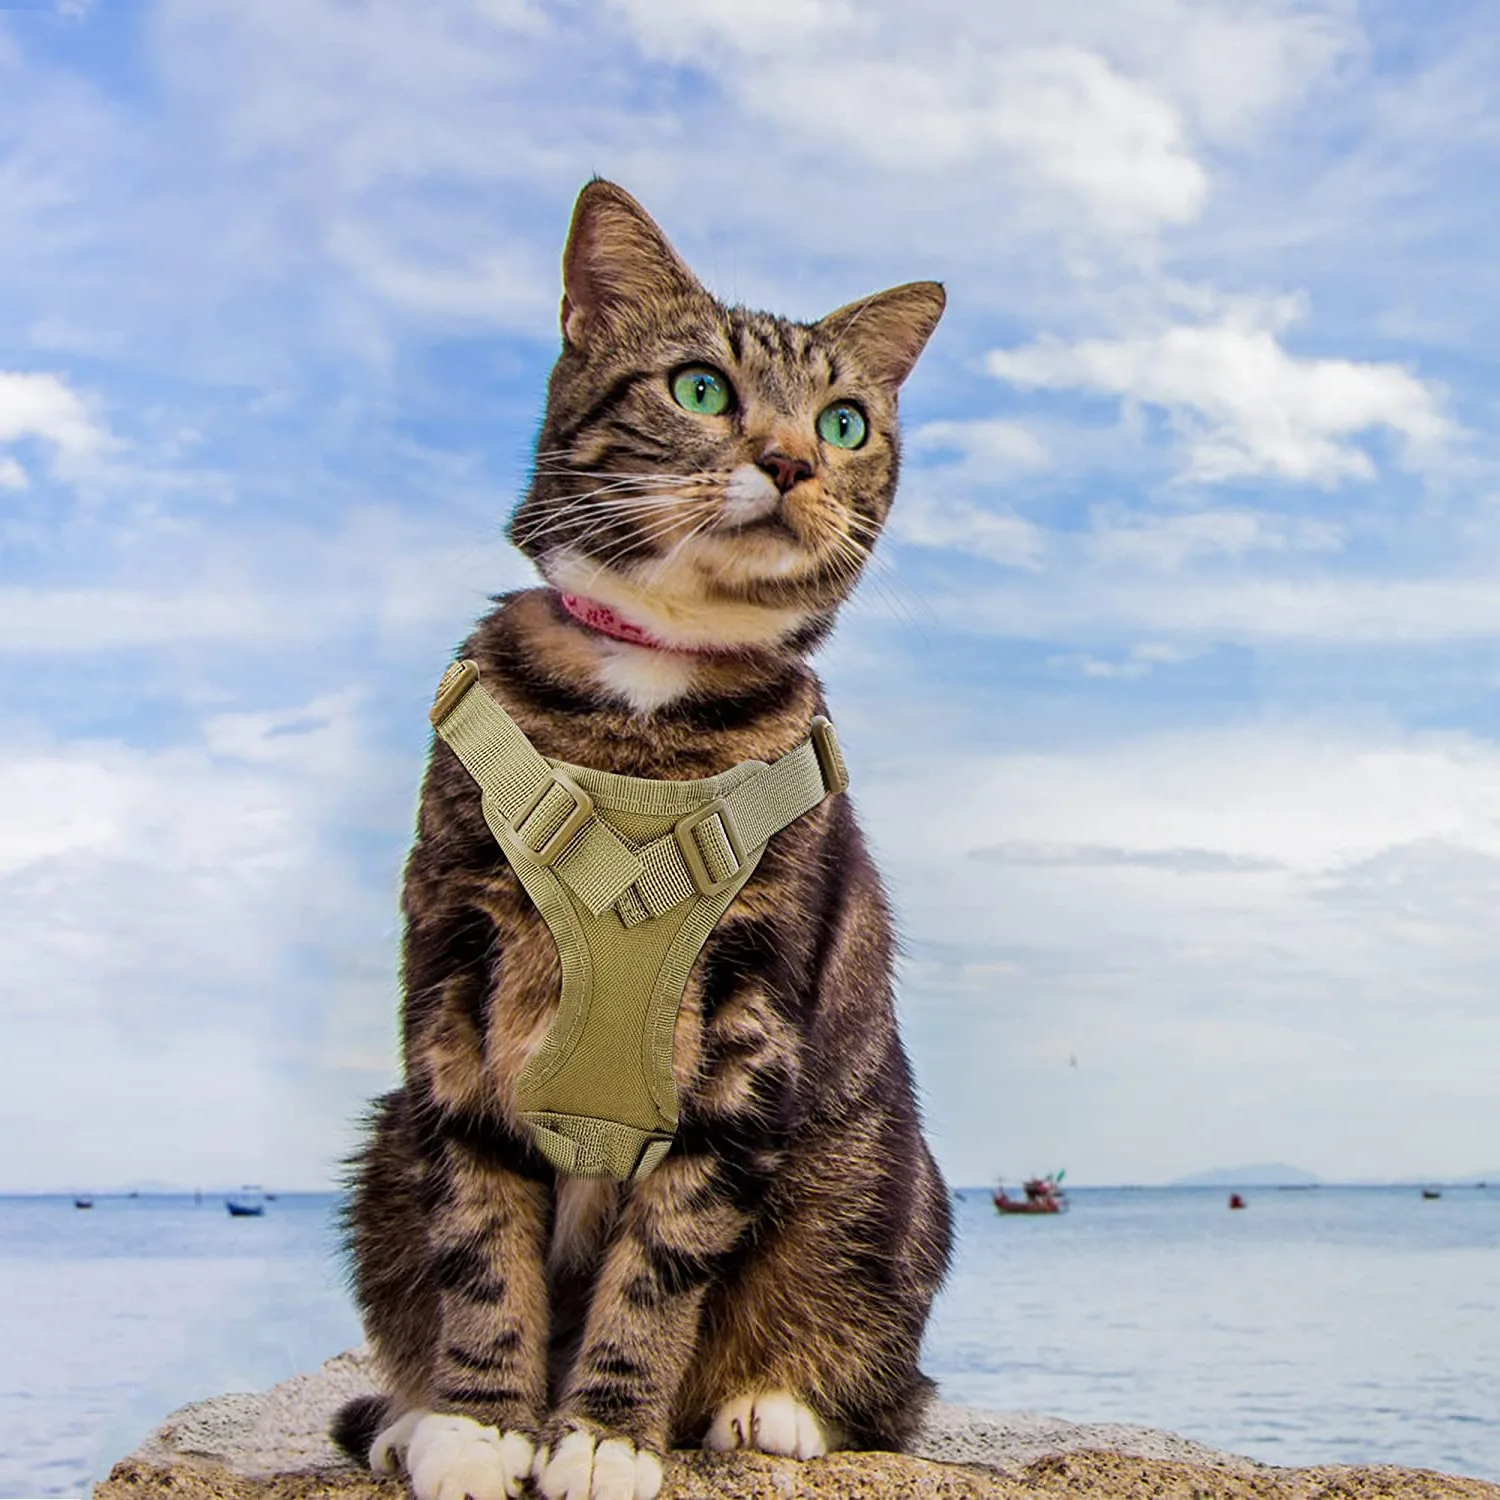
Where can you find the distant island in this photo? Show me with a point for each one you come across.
(1261, 1174)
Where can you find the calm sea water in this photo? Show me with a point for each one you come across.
(1336, 1325)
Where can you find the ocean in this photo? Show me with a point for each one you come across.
(1353, 1325)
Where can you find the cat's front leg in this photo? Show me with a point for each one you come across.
(611, 1427)
(489, 1381)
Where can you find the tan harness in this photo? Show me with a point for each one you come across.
(630, 876)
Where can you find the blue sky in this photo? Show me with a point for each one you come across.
(1172, 707)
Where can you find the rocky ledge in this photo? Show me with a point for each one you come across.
(273, 1446)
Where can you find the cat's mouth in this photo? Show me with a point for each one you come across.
(774, 526)
(754, 508)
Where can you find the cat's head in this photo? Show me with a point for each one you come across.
(717, 475)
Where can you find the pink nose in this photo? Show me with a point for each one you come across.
(785, 471)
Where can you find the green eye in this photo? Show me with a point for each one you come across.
(703, 390)
(842, 425)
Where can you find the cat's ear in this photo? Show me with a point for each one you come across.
(615, 258)
(886, 332)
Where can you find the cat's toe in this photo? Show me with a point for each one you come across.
(388, 1451)
(770, 1422)
(731, 1426)
(456, 1458)
(583, 1467)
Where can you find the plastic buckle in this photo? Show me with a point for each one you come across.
(583, 810)
(457, 681)
(652, 1152)
(697, 868)
(830, 757)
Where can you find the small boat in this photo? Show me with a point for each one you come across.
(83, 1203)
(1044, 1195)
(1432, 1192)
(248, 1203)
(1236, 1200)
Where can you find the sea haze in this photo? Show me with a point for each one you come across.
(1349, 1325)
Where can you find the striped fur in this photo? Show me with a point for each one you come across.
(790, 1245)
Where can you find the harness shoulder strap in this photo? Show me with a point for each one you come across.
(540, 805)
(707, 849)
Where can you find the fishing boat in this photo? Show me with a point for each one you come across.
(83, 1203)
(1043, 1195)
(248, 1203)
(1432, 1192)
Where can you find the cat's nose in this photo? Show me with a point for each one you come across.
(784, 470)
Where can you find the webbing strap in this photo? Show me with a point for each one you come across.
(539, 805)
(707, 849)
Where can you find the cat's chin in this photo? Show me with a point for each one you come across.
(763, 551)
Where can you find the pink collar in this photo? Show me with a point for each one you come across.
(606, 621)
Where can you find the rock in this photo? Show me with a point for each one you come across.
(274, 1446)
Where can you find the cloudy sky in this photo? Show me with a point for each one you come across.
(1172, 709)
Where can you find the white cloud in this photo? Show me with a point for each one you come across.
(990, 447)
(1058, 117)
(1234, 67)
(768, 30)
(37, 619)
(1102, 856)
(45, 408)
(1078, 122)
(1241, 404)
(1118, 538)
(499, 286)
(121, 864)
(1305, 799)
(318, 738)
(1349, 610)
(1101, 669)
(1138, 662)
(960, 525)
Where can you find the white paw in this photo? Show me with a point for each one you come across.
(451, 1457)
(581, 1469)
(771, 1421)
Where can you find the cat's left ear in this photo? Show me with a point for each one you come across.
(616, 258)
(886, 332)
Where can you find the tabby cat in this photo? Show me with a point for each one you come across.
(708, 484)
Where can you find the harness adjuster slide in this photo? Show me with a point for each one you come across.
(830, 757)
(546, 853)
(457, 681)
(686, 835)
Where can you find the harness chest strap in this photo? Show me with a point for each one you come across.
(629, 917)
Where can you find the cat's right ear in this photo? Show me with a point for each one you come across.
(616, 258)
(886, 332)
